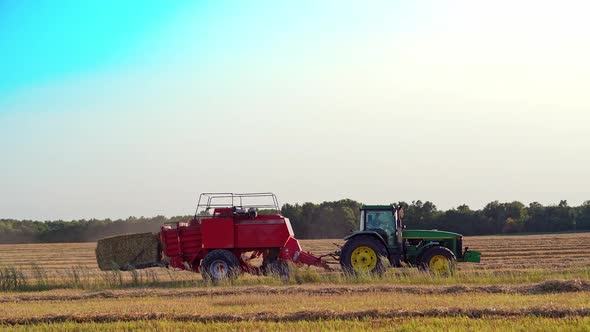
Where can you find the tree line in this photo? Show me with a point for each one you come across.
(329, 220)
(336, 219)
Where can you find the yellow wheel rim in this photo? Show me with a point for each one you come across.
(363, 259)
(439, 264)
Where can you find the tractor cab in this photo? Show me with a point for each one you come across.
(385, 220)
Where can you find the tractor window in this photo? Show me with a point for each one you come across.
(380, 220)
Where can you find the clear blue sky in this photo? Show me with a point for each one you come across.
(118, 108)
(47, 40)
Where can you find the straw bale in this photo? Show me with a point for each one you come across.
(127, 250)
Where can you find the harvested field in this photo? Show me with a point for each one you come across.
(499, 253)
(306, 316)
(505, 259)
(546, 287)
(240, 306)
(521, 278)
(451, 324)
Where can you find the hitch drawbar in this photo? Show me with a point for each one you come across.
(292, 251)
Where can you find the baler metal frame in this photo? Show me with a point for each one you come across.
(205, 202)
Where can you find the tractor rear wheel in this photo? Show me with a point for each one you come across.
(362, 255)
(438, 261)
(220, 264)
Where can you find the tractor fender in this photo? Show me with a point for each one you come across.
(369, 233)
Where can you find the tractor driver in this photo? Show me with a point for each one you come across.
(386, 222)
(383, 220)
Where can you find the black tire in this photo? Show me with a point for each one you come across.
(348, 262)
(430, 261)
(220, 264)
(280, 269)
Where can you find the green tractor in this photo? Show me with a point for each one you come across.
(382, 236)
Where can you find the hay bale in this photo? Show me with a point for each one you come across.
(125, 251)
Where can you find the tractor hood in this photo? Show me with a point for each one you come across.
(429, 234)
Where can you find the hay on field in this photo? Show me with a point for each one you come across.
(126, 251)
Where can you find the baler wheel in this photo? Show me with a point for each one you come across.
(220, 264)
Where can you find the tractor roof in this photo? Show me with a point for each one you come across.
(377, 207)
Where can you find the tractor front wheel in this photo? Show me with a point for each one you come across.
(220, 265)
(438, 261)
(362, 255)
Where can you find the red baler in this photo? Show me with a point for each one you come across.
(228, 232)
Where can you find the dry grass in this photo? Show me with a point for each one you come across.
(68, 265)
(505, 259)
(291, 306)
(559, 252)
(546, 287)
(451, 324)
(303, 316)
(521, 279)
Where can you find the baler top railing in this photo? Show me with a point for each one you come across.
(208, 201)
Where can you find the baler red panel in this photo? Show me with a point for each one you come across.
(217, 233)
(261, 233)
(181, 242)
(170, 243)
(190, 239)
(290, 250)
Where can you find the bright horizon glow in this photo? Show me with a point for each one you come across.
(112, 110)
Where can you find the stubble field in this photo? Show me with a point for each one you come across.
(534, 282)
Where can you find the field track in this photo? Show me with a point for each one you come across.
(546, 287)
(304, 316)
